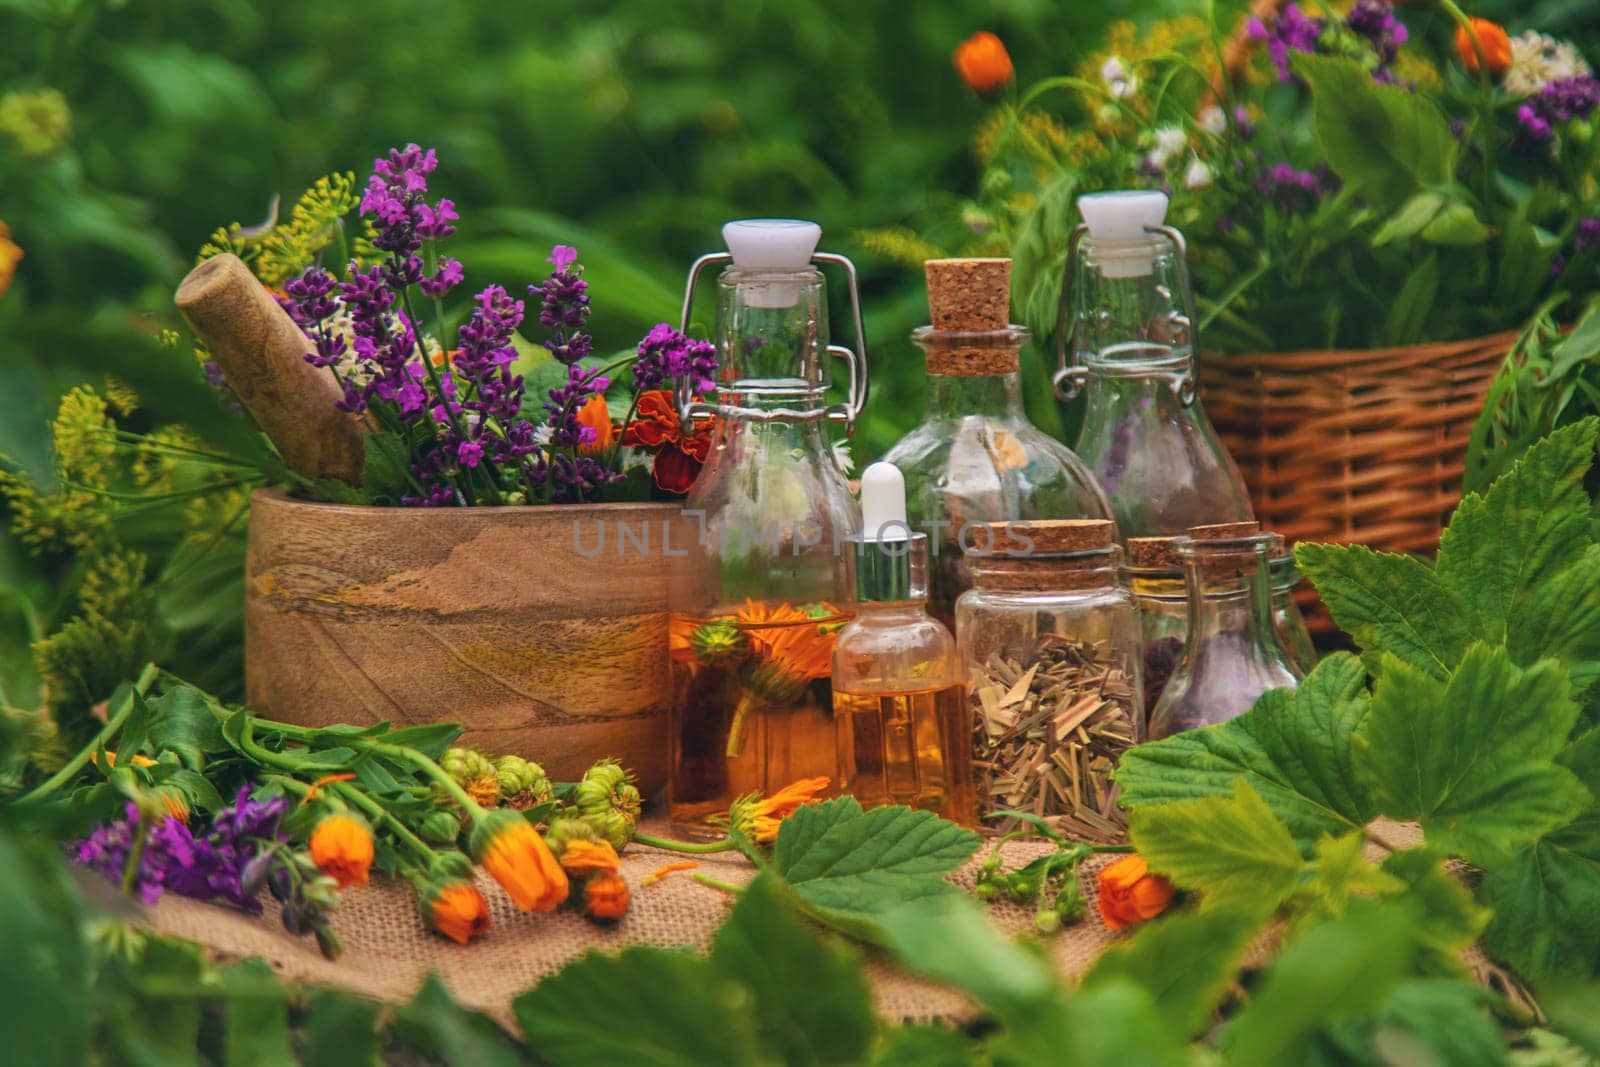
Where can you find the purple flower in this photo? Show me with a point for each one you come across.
(1291, 31)
(1374, 22)
(562, 257)
(1533, 125)
(1559, 101)
(433, 223)
(1291, 189)
(468, 453)
(445, 278)
(666, 356)
(564, 306)
(1588, 234)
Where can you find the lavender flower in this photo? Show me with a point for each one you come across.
(1587, 236)
(564, 306)
(1560, 101)
(1292, 31)
(1375, 23)
(108, 848)
(667, 356)
(1291, 189)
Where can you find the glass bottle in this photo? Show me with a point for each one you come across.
(899, 702)
(1232, 653)
(1132, 337)
(975, 457)
(1287, 618)
(1154, 575)
(759, 596)
(1050, 641)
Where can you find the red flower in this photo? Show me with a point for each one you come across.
(655, 426)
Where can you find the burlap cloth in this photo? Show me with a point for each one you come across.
(388, 952)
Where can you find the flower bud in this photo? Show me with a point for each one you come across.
(522, 782)
(607, 800)
(606, 897)
(341, 846)
(1046, 921)
(474, 772)
(254, 875)
(454, 907)
(440, 827)
(565, 830)
(514, 854)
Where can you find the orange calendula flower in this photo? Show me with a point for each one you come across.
(582, 858)
(790, 648)
(1130, 894)
(341, 847)
(984, 63)
(457, 910)
(139, 759)
(10, 256)
(515, 855)
(1491, 38)
(758, 818)
(655, 426)
(174, 801)
(606, 897)
(594, 414)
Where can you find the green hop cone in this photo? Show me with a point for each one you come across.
(441, 827)
(607, 800)
(523, 783)
(719, 641)
(565, 830)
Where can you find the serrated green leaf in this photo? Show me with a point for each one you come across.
(949, 939)
(1380, 138)
(810, 999)
(1531, 526)
(1293, 748)
(1185, 960)
(1390, 602)
(182, 721)
(1451, 919)
(1472, 758)
(1546, 905)
(1338, 969)
(1340, 871)
(1234, 850)
(647, 1006)
(850, 866)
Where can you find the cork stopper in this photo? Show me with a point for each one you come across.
(969, 304)
(1154, 553)
(1040, 537)
(1226, 558)
(1225, 531)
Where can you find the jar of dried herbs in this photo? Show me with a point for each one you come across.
(1233, 653)
(1050, 642)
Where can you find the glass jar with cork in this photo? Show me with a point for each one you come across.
(1051, 644)
(1232, 653)
(975, 457)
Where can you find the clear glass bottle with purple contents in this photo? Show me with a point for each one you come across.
(1232, 653)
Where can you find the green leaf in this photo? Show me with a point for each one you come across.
(182, 720)
(1293, 748)
(1340, 871)
(1390, 602)
(1412, 311)
(46, 985)
(1380, 138)
(1116, 1022)
(1234, 850)
(1186, 960)
(340, 1031)
(1451, 919)
(811, 1002)
(923, 1046)
(949, 939)
(431, 739)
(384, 467)
(433, 1023)
(196, 788)
(1529, 529)
(1411, 217)
(257, 1024)
(1425, 1021)
(1472, 758)
(1334, 970)
(1457, 226)
(645, 1006)
(1546, 905)
(850, 866)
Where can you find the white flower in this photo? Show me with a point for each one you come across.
(842, 457)
(1170, 141)
(1119, 80)
(1197, 176)
(1538, 59)
(1213, 121)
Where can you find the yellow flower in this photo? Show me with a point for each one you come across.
(514, 854)
(10, 255)
(457, 910)
(759, 818)
(582, 858)
(342, 848)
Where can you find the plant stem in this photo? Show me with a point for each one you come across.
(697, 848)
(114, 722)
(130, 873)
(717, 883)
(380, 814)
(473, 809)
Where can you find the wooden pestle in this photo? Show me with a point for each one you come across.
(262, 355)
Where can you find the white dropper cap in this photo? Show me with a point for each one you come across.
(1120, 218)
(883, 504)
(772, 245)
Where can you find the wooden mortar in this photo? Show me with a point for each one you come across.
(543, 630)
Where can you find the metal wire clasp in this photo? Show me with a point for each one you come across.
(855, 359)
(1070, 375)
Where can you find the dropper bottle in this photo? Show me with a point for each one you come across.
(899, 704)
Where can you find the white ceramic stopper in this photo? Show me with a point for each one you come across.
(883, 504)
(1120, 218)
(777, 245)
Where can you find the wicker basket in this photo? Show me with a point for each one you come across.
(1364, 446)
